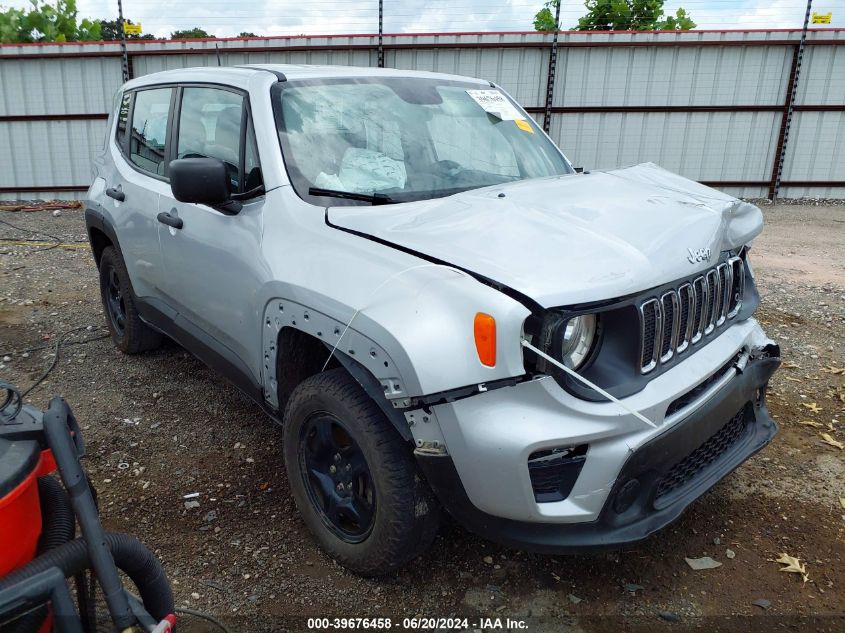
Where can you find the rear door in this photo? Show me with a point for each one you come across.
(213, 261)
(137, 180)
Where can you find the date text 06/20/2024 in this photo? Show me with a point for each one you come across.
(416, 624)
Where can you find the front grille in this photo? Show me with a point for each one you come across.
(685, 315)
(688, 468)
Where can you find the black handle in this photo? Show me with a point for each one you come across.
(117, 194)
(170, 220)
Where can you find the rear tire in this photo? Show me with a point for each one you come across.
(335, 435)
(128, 332)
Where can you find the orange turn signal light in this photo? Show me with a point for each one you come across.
(485, 338)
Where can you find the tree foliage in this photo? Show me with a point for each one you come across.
(544, 20)
(678, 22)
(110, 31)
(195, 33)
(45, 22)
(618, 15)
(246, 34)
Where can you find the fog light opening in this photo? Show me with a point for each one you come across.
(626, 496)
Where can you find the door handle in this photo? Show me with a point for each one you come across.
(117, 194)
(170, 220)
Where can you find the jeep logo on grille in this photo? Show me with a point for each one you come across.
(697, 255)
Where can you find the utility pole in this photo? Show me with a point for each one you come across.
(381, 33)
(792, 90)
(122, 41)
(550, 82)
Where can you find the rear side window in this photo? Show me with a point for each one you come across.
(149, 130)
(123, 119)
(211, 125)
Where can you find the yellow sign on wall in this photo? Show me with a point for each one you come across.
(132, 28)
(820, 18)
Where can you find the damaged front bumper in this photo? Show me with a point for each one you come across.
(634, 480)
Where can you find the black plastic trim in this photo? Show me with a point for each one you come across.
(95, 219)
(647, 464)
(374, 389)
(210, 351)
(280, 76)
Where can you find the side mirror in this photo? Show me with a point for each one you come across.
(200, 180)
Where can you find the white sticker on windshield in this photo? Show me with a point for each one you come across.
(495, 103)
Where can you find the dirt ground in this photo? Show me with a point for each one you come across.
(161, 426)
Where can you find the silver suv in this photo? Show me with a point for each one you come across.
(403, 269)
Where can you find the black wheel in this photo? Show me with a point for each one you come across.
(129, 333)
(353, 478)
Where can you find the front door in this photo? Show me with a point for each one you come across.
(212, 261)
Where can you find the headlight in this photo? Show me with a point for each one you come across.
(577, 340)
(568, 340)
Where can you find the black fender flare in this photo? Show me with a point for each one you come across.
(373, 388)
(96, 219)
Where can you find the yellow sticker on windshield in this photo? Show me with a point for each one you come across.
(524, 125)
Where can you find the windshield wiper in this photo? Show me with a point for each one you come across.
(373, 198)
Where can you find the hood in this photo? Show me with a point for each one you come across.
(569, 239)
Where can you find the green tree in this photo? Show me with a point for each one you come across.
(678, 22)
(110, 30)
(246, 34)
(618, 15)
(545, 18)
(195, 33)
(46, 22)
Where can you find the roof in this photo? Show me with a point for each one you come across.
(239, 75)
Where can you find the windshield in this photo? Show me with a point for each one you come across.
(405, 139)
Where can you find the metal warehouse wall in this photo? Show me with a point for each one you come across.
(708, 105)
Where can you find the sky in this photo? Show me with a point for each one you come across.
(226, 18)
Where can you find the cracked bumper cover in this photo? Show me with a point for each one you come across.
(646, 465)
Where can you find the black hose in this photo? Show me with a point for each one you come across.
(58, 523)
(58, 526)
(130, 556)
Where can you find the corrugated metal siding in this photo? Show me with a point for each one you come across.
(816, 149)
(703, 146)
(699, 69)
(822, 76)
(49, 153)
(520, 71)
(670, 76)
(144, 65)
(50, 86)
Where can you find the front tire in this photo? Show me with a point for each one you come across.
(128, 332)
(353, 478)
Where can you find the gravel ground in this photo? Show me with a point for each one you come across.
(161, 425)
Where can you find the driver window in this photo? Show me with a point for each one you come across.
(210, 127)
